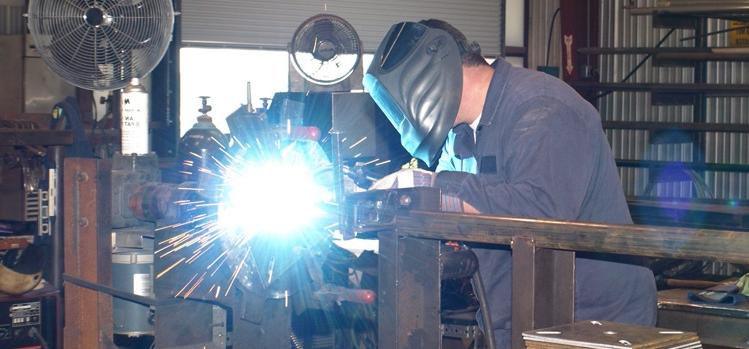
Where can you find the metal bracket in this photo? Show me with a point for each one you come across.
(534, 306)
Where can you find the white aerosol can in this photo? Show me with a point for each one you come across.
(134, 119)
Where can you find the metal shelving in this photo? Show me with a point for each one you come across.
(692, 14)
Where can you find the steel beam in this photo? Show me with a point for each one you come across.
(88, 314)
(543, 288)
(634, 240)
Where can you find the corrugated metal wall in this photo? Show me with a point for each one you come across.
(11, 20)
(727, 147)
(541, 13)
(620, 29)
(271, 23)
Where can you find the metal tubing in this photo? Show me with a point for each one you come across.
(117, 293)
(335, 139)
(57, 238)
(634, 240)
(535, 304)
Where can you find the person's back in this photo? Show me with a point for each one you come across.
(537, 130)
(605, 201)
(513, 142)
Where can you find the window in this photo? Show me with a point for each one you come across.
(223, 74)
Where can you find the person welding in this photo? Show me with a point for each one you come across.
(509, 142)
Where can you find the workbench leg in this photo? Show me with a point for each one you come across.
(543, 288)
(88, 314)
(408, 296)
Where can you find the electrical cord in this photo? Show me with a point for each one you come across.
(551, 31)
(35, 333)
(478, 287)
(640, 64)
(486, 318)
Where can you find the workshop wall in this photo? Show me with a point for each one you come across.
(541, 13)
(11, 57)
(28, 85)
(727, 148)
(621, 30)
(270, 24)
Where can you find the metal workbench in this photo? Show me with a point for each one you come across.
(543, 252)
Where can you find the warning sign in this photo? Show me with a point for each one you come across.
(740, 36)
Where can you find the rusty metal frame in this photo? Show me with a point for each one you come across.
(542, 250)
(88, 313)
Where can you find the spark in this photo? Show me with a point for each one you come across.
(370, 162)
(186, 285)
(169, 268)
(268, 192)
(236, 272)
(358, 142)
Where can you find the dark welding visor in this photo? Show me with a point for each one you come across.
(416, 79)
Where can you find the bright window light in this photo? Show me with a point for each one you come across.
(223, 74)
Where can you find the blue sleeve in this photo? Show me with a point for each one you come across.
(549, 163)
(446, 162)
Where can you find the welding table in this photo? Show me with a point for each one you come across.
(543, 252)
(716, 324)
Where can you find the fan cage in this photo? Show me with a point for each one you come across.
(101, 44)
(337, 29)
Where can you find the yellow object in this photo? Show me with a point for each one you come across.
(738, 37)
(743, 285)
(414, 163)
(15, 283)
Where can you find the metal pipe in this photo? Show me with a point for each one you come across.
(335, 138)
(131, 297)
(57, 238)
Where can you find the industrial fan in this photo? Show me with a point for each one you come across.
(101, 44)
(325, 49)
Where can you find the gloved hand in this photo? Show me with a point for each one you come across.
(410, 178)
(406, 178)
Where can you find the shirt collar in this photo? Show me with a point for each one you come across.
(475, 124)
(496, 90)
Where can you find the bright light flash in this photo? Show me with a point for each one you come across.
(270, 198)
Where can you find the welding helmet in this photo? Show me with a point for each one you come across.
(416, 78)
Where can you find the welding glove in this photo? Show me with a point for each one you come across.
(405, 178)
(410, 178)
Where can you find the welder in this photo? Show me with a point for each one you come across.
(509, 142)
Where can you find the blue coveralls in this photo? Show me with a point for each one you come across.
(540, 152)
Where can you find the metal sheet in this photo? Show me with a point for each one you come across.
(408, 308)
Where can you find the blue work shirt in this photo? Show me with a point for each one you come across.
(540, 152)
